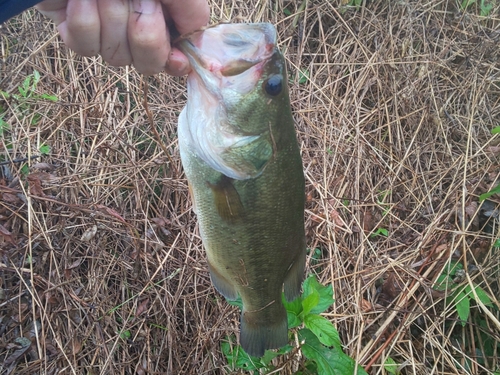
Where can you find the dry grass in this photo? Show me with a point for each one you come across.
(104, 270)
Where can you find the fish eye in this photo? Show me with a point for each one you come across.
(273, 85)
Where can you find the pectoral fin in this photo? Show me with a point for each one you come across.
(227, 200)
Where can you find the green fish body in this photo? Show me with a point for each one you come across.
(241, 158)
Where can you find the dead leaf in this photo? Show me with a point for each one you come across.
(10, 198)
(441, 248)
(22, 344)
(471, 209)
(366, 306)
(7, 236)
(368, 222)
(143, 306)
(110, 211)
(35, 185)
(51, 349)
(42, 176)
(44, 166)
(75, 264)
(335, 217)
(76, 345)
(89, 234)
(161, 221)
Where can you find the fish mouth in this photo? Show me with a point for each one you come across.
(199, 61)
(220, 54)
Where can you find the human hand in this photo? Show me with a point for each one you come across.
(127, 32)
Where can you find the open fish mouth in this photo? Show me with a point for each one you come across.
(225, 121)
(230, 56)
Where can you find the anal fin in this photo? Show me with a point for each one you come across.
(222, 285)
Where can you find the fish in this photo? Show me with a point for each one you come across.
(241, 157)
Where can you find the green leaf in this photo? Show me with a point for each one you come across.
(486, 8)
(391, 366)
(3, 126)
(453, 267)
(481, 294)
(286, 12)
(323, 329)
(125, 335)
(380, 232)
(238, 358)
(310, 302)
(462, 305)
(25, 169)
(329, 361)
(495, 130)
(293, 310)
(22, 91)
(293, 319)
(269, 355)
(294, 306)
(303, 76)
(467, 3)
(36, 78)
(52, 98)
(443, 282)
(44, 149)
(497, 243)
(495, 190)
(310, 367)
(325, 294)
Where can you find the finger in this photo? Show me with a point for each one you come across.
(53, 9)
(81, 29)
(148, 36)
(114, 16)
(188, 15)
(177, 64)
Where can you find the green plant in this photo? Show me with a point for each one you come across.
(27, 90)
(495, 190)
(346, 4)
(25, 98)
(380, 232)
(44, 149)
(320, 341)
(485, 6)
(391, 366)
(461, 295)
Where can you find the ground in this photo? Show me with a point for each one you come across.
(102, 268)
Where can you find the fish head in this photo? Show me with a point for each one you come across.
(237, 91)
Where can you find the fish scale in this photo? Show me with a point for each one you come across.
(248, 192)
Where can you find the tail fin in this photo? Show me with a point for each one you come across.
(264, 329)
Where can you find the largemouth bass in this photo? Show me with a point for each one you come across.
(241, 158)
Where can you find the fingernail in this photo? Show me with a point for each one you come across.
(145, 6)
(177, 66)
